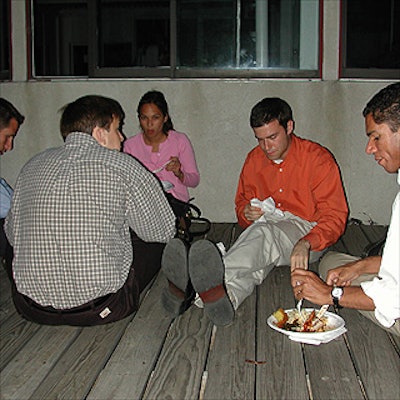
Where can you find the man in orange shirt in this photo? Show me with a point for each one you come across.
(291, 201)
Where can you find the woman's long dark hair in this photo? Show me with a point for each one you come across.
(157, 98)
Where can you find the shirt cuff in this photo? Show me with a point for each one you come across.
(386, 300)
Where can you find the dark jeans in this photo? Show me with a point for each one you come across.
(6, 251)
(110, 308)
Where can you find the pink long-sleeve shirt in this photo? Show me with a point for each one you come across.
(176, 145)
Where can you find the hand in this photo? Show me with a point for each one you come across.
(308, 285)
(300, 255)
(344, 275)
(174, 166)
(252, 213)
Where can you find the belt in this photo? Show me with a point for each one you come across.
(82, 308)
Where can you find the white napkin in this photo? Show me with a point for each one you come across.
(167, 185)
(268, 206)
(325, 337)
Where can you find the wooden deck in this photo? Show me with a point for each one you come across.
(148, 356)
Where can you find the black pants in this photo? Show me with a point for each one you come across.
(6, 251)
(110, 308)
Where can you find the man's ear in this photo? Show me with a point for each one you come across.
(290, 127)
(98, 134)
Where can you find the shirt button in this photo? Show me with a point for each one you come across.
(280, 190)
(280, 169)
(279, 204)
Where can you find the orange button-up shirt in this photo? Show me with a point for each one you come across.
(307, 184)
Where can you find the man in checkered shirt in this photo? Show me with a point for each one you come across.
(88, 223)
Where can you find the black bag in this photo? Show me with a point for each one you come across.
(186, 213)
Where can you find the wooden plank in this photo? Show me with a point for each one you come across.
(283, 376)
(228, 374)
(179, 370)
(375, 357)
(25, 372)
(6, 304)
(331, 371)
(128, 370)
(15, 332)
(78, 367)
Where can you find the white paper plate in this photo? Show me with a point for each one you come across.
(334, 323)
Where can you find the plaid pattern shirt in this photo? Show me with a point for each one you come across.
(70, 217)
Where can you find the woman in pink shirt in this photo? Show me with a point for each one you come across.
(167, 153)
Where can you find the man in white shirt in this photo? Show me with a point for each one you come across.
(10, 121)
(370, 285)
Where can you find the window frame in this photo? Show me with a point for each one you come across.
(173, 71)
(192, 72)
(6, 74)
(358, 73)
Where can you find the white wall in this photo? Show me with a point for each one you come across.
(215, 115)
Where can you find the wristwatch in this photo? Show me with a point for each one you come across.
(337, 293)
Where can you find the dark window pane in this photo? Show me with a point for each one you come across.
(240, 34)
(4, 40)
(206, 33)
(134, 33)
(126, 38)
(60, 38)
(373, 34)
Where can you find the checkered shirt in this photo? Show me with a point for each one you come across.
(70, 217)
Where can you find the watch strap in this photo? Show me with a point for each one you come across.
(337, 299)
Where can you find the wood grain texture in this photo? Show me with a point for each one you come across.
(15, 333)
(331, 372)
(229, 376)
(283, 376)
(128, 370)
(376, 359)
(179, 370)
(149, 356)
(35, 361)
(80, 364)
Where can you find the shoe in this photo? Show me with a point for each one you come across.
(178, 296)
(206, 272)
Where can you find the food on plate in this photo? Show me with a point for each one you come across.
(305, 321)
(281, 317)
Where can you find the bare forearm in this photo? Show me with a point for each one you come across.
(354, 297)
(370, 265)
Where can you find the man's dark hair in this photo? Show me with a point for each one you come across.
(157, 98)
(270, 109)
(385, 107)
(85, 113)
(7, 112)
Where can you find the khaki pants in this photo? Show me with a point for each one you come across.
(258, 249)
(332, 260)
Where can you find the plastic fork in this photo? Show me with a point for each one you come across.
(161, 168)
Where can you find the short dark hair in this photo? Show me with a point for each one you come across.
(87, 112)
(385, 106)
(270, 109)
(157, 98)
(7, 112)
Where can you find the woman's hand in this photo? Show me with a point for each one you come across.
(174, 166)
